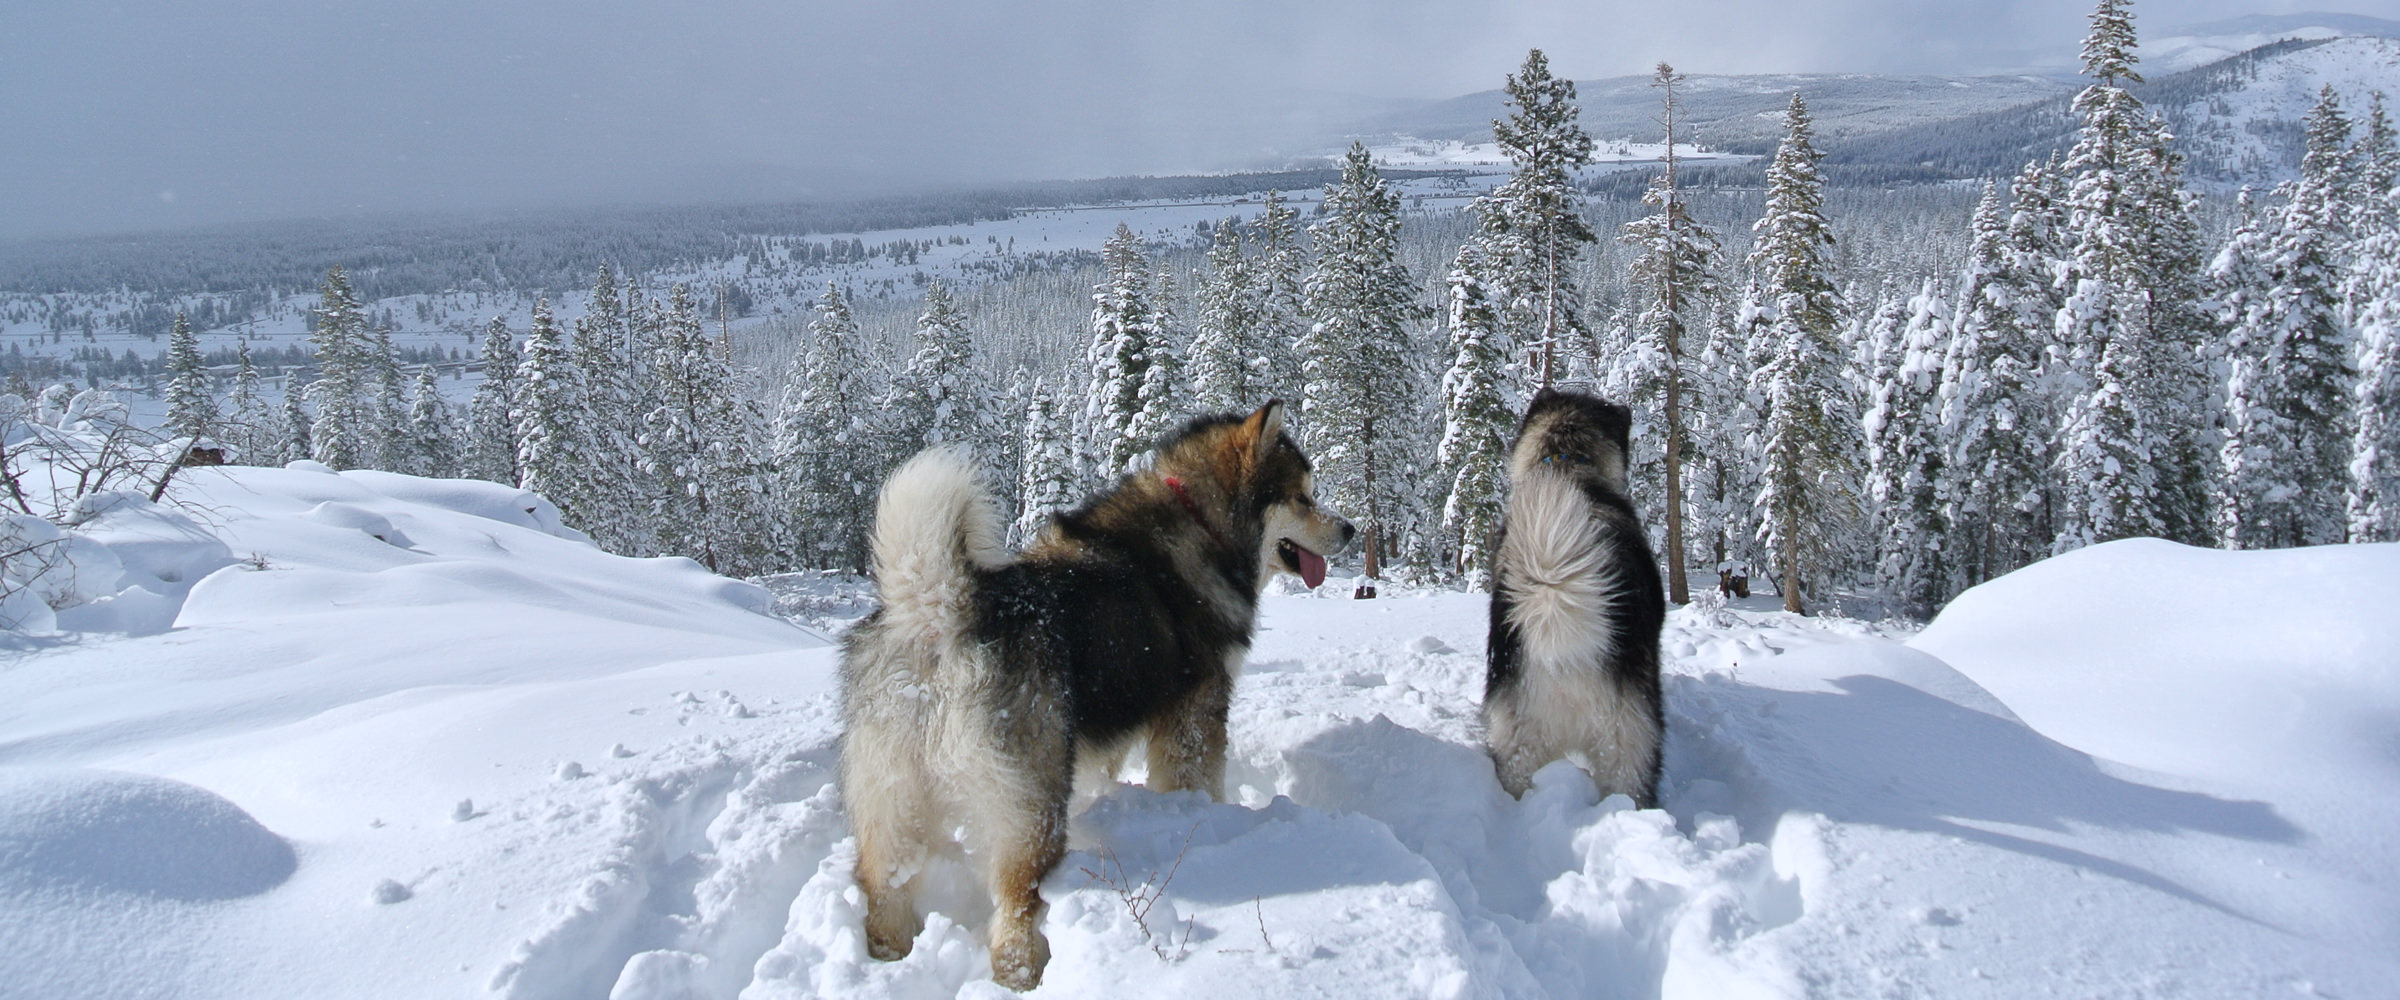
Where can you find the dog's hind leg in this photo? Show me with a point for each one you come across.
(1019, 835)
(1517, 751)
(1187, 744)
(890, 814)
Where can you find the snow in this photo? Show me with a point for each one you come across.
(411, 738)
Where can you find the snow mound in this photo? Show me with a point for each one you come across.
(108, 831)
(2191, 661)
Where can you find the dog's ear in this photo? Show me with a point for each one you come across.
(1264, 428)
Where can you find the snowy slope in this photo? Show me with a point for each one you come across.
(2192, 46)
(436, 748)
(2242, 116)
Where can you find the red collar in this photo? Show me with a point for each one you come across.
(1184, 497)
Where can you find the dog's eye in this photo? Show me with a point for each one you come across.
(1305, 501)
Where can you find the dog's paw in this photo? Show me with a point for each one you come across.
(890, 935)
(1018, 960)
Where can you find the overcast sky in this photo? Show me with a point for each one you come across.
(149, 114)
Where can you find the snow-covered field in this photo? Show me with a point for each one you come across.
(407, 738)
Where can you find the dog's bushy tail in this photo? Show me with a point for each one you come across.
(934, 527)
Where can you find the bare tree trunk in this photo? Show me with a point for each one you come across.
(1791, 568)
(1671, 301)
(1371, 565)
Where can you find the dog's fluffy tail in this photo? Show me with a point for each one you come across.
(934, 527)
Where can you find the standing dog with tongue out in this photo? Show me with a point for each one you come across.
(973, 692)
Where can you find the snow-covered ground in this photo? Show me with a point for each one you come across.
(408, 738)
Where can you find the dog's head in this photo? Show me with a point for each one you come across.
(1575, 435)
(1251, 466)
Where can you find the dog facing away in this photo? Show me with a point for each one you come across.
(1577, 606)
(970, 695)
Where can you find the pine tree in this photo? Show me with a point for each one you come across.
(1164, 395)
(2290, 395)
(2374, 171)
(1282, 309)
(942, 395)
(342, 392)
(491, 447)
(829, 464)
(553, 455)
(1357, 361)
(2373, 497)
(1228, 372)
(1904, 455)
(298, 428)
(1807, 500)
(2130, 460)
(1478, 420)
(191, 408)
(700, 448)
(1125, 408)
(433, 442)
(1993, 416)
(1050, 478)
(613, 352)
(1672, 270)
(1536, 218)
(257, 434)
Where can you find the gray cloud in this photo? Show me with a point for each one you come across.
(155, 113)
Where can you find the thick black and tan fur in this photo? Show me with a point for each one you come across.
(1576, 607)
(971, 694)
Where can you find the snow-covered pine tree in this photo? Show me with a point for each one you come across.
(1479, 415)
(2127, 466)
(2374, 171)
(297, 426)
(2372, 501)
(553, 455)
(700, 448)
(191, 408)
(253, 430)
(340, 435)
(1993, 417)
(1165, 394)
(433, 441)
(1540, 209)
(1281, 285)
(1904, 456)
(829, 465)
(2289, 404)
(614, 346)
(387, 432)
(2178, 332)
(1357, 362)
(1123, 413)
(490, 453)
(1227, 373)
(1673, 277)
(2038, 247)
(1808, 499)
(1051, 477)
(1721, 473)
(942, 396)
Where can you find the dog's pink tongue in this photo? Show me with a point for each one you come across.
(1312, 567)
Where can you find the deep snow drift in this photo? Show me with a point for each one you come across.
(409, 738)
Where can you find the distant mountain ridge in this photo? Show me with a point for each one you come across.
(2237, 120)
(2237, 115)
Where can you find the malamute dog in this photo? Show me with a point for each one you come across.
(1576, 607)
(971, 693)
